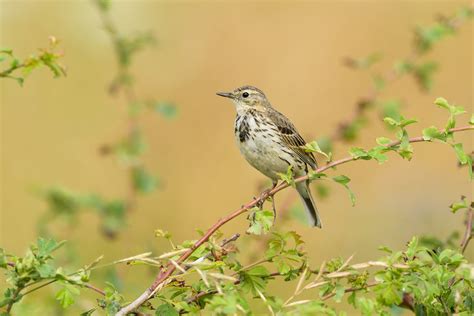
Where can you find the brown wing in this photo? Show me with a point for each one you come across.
(291, 137)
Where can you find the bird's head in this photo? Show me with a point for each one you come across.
(247, 97)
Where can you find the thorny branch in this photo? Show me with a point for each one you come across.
(166, 272)
(122, 82)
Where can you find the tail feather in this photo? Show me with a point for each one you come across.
(308, 202)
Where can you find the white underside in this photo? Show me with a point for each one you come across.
(264, 154)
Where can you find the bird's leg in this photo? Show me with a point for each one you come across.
(266, 192)
(274, 210)
(260, 201)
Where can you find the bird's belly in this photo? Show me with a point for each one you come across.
(266, 155)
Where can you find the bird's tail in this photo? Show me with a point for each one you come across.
(308, 202)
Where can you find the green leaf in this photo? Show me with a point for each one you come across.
(379, 82)
(405, 122)
(166, 310)
(167, 109)
(462, 156)
(46, 271)
(162, 233)
(377, 153)
(405, 149)
(325, 144)
(424, 74)
(412, 248)
(3, 258)
(432, 133)
(471, 121)
(340, 291)
(312, 175)
(391, 121)
(143, 181)
(391, 108)
(88, 312)
(359, 153)
(288, 176)
(383, 141)
(47, 246)
(65, 296)
(391, 296)
(442, 103)
(254, 280)
(459, 205)
(104, 5)
(364, 62)
(344, 180)
(7, 51)
(260, 221)
(313, 147)
(453, 111)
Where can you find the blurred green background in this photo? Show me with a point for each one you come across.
(51, 130)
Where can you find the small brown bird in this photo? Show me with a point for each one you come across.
(271, 143)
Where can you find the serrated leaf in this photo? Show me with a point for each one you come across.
(254, 280)
(260, 221)
(47, 246)
(65, 296)
(46, 270)
(166, 310)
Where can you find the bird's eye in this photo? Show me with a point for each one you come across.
(245, 94)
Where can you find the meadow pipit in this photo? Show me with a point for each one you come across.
(271, 143)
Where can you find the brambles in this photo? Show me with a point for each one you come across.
(128, 151)
(403, 274)
(36, 269)
(217, 275)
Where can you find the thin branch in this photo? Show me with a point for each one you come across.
(363, 104)
(349, 290)
(468, 232)
(6, 73)
(204, 293)
(170, 268)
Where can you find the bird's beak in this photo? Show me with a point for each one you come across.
(225, 94)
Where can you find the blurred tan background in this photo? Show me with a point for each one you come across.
(51, 129)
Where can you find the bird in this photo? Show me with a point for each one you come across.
(271, 144)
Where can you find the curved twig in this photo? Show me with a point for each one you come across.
(170, 268)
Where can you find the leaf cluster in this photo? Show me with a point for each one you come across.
(18, 69)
